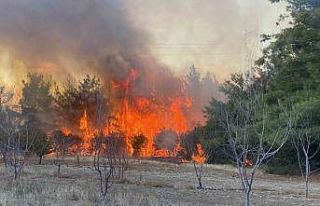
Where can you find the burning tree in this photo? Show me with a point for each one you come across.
(245, 120)
(149, 111)
(133, 111)
(190, 141)
(199, 158)
(79, 105)
(72, 100)
(106, 150)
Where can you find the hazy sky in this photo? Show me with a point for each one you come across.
(215, 35)
(61, 36)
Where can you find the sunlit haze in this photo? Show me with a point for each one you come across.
(220, 36)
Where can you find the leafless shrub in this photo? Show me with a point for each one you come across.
(303, 140)
(61, 144)
(245, 120)
(16, 137)
(198, 170)
(104, 162)
(18, 150)
(121, 167)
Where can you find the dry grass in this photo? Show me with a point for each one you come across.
(147, 183)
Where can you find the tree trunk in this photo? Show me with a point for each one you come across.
(200, 183)
(307, 177)
(78, 158)
(15, 175)
(6, 161)
(198, 174)
(59, 166)
(307, 187)
(247, 201)
(40, 160)
(15, 165)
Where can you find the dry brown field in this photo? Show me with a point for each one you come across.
(148, 183)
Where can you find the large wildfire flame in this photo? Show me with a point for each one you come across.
(150, 115)
(143, 119)
(147, 115)
(88, 133)
(146, 100)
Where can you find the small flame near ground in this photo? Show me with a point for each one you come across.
(66, 131)
(199, 155)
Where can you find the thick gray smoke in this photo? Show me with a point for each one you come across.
(77, 37)
(95, 36)
(166, 139)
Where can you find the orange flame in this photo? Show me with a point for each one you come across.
(136, 114)
(66, 131)
(199, 155)
(88, 132)
(148, 118)
(161, 153)
(148, 115)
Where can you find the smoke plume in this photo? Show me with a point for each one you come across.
(72, 36)
(78, 37)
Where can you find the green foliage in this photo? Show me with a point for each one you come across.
(214, 141)
(41, 145)
(37, 110)
(300, 5)
(278, 169)
(73, 99)
(36, 101)
(244, 120)
(292, 61)
(287, 74)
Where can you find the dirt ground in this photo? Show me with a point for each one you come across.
(149, 183)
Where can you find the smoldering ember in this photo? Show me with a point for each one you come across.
(149, 102)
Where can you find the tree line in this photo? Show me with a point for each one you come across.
(271, 115)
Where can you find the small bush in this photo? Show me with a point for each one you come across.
(137, 143)
(282, 170)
